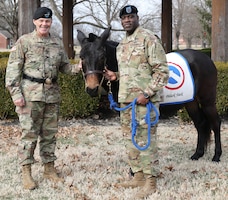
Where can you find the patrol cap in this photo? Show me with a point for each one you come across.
(42, 12)
(129, 9)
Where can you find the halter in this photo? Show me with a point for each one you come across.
(92, 72)
(89, 72)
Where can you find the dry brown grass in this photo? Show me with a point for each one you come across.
(92, 158)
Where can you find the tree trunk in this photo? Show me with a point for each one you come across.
(167, 25)
(26, 9)
(68, 27)
(219, 30)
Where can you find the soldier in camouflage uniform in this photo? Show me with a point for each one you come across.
(143, 71)
(31, 77)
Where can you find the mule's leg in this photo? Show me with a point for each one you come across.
(202, 126)
(215, 121)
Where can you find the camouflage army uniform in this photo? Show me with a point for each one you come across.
(39, 58)
(142, 68)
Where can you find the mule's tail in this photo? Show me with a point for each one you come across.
(207, 134)
(204, 128)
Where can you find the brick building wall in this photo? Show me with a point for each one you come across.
(4, 41)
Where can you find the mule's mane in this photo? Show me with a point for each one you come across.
(112, 43)
(92, 37)
(111, 61)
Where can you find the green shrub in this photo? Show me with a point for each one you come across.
(183, 115)
(4, 54)
(206, 51)
(6, 104)
(75, 101)
(222, 88)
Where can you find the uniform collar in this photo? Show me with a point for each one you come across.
(42, 38)
(132, 36)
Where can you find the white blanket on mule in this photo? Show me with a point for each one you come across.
(180, 87)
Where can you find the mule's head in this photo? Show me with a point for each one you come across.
(93, 56)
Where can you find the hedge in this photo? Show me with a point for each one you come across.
(76, 103)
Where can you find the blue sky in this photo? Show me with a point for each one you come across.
(146, 6)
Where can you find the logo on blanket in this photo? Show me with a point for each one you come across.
(180, 87)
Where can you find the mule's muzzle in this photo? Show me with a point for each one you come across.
(93, 92)
(97, 91)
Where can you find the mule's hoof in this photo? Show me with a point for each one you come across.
(216, 159)
(196, 156)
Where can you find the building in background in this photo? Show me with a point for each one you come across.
(6, 41)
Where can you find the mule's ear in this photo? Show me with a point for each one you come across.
(105, 34)
(81, 36)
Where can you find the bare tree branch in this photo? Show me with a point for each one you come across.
(9, 17)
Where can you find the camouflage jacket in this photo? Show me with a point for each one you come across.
(142, 66)
(39, 58)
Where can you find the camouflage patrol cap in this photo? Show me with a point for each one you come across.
(129, 9)
(42, 12)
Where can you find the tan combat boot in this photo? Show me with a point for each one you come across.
(27, 180)
(138, 181)
(148, 189)
(50, 173)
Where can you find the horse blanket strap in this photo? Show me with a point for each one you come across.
(48, 81)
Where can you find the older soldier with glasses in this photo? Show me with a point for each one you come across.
(31, 77)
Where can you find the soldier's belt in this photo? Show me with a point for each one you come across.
(40, 80)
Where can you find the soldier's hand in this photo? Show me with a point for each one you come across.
(109, 75)
(19, 102)
(142, 100)
(80, 64)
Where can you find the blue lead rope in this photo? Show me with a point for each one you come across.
(134, 123)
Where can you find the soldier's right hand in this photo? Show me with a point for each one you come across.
(19, 102)
(80, 64)
(109, 75)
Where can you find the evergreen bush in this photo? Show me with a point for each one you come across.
(222, 88)
(76, 103)
(6, 105)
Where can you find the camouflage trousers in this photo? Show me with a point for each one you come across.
(39, 123)
(140, 160)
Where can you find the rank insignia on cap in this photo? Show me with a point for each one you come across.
(47, 15)
(128, 9)
(42, 12)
